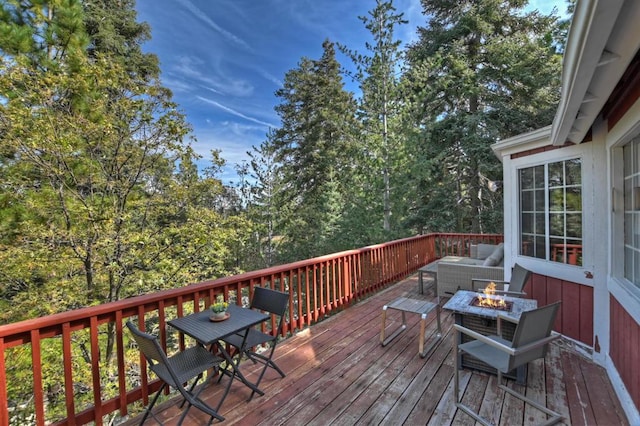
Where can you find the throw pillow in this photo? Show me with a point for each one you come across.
(496, 257)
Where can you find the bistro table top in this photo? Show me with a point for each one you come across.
(461, 303)
(205, 331)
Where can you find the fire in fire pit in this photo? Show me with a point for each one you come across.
(490, 300)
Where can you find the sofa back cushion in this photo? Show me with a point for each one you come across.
(485, 250)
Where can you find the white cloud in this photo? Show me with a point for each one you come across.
(203, 16)
(215, 80)
(234, 112)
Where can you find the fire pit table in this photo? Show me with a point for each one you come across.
(482, 319)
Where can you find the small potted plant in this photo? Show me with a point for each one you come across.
(219, 309)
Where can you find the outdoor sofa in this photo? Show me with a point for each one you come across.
(486, 261)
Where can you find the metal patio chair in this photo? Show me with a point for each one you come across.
(271, 301)
(530, 341)
(519, 278)
(177, 370)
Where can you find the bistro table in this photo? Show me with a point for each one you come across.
(484, 321)
(207, 332)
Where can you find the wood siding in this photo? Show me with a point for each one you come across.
(625, 348)
(575, 318)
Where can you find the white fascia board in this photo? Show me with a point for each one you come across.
(591, 26)
(522, 142)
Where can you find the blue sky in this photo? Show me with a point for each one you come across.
(224, 59)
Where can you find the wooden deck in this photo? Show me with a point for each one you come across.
(338, 374)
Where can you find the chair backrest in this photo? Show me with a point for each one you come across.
(519, 278)
(148, 345)
(272, 301)
(533, 326)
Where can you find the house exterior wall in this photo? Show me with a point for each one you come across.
(599, 308)
(623, 361)
(575, 318)
(599, 110)
(574, 285)
(625, 345)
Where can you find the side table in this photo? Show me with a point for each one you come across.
(422, 307)
(432, 270)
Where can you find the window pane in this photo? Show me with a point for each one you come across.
(527, 223)
(527, 245)
(557, 250)
(556, 174)
(573, 172)
(628, 229)
(540, 225)
(574, 199)
(574, 225)
(540, 248)
(628, 199)
(556, 224)
(626, 154)
(636, 230)
(538, 176)
(628, 263)
(636, 268)
(527, 201)
(526, 178)
(540, 200)
(556, 200)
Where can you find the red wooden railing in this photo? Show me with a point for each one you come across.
(317, 288)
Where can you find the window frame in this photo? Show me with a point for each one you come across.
(625, 291)
(541, 192)
(564, 271)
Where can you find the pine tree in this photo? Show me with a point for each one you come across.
(312, 150)
(482, 70)
(380, 104)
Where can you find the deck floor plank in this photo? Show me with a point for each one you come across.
(339, 374)
(577, 393)
(536, 392)
(555, 384)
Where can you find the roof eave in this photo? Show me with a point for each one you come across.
(591, 27)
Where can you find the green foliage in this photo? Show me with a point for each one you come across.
(101, 198)
(382, 144)
(481, 71)
(312, 151)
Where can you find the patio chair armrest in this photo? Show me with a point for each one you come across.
(487, 280)
(477, 336)
(536, 344)
(510, 293)
(499, 319)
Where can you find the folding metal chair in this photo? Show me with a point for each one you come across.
(271, 301)
(177, 370)
(519, 278)
(530, 341)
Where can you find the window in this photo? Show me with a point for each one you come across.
(631, 155)
(551, 211)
